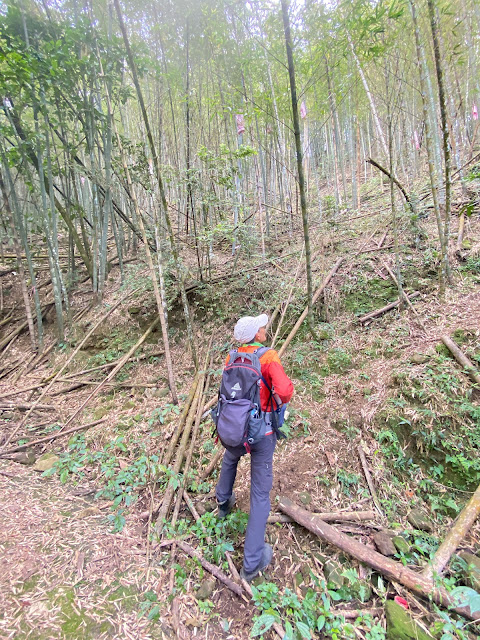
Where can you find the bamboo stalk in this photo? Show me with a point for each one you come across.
(317, 294)
(352, 614)
(400, 289)
(456, 534)
(6, 406)
(388, 307)
(16, 332)
(369, 480)
(461, 230)
(211, 568)
(408, 200)
(161, 189)
(52, 436)
(290, 293)
(110, 365)
(176, 435)
(211, 466)
(57, 375)
(168, 496)
(462, 359)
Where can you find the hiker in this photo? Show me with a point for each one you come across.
(251, 332)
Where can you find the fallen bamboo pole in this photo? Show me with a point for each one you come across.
(212, 464)
(211, 568)
(114, 371)
(290, 293)
(368, 478)
(461, 231)
(57, 375)
(217, 573)
(168, 496)
(462, 359)
(316, 295)
(395, 282)
(186, 466)
(456, 534)
(110, 365)
(388, 307)
(16, 332)
(76, 384)
(389, 568)
(176, 434)
(52, 436)
(340, 516)
(352, 614)
(9, 406)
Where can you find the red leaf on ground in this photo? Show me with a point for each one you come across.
(402, 602)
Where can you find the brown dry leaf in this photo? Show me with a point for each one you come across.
(331, 458)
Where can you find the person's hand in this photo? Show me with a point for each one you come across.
(278, 401)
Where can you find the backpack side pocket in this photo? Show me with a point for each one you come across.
(256, 427)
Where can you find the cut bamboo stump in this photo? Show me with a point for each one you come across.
(392, 570)
(462, 359)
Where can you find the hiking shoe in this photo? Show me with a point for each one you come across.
(267, 556)
(226, 506)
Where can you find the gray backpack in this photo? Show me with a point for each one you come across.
(238, 415)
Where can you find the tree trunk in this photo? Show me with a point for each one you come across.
(298, 147)
(446, 136)
(153, 151)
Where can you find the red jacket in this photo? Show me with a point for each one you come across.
(274, 374)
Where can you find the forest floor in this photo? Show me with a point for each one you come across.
(76, 556)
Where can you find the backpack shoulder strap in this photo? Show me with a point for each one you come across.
(260, 352)
(231, 356)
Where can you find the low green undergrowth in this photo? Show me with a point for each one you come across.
(432, 420)
(303, 618)
(120, 480)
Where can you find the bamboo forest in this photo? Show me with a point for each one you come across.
(239, 319)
